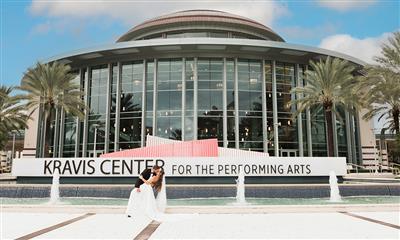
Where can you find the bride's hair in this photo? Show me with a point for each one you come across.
(158, 184)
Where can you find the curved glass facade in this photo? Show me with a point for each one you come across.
(242, 102)
(202, 34)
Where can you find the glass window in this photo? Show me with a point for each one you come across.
(169, 98)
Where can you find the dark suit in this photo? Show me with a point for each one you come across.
(146, 175)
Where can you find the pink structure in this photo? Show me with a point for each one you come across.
(196, 148)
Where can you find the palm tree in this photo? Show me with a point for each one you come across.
(12, 114)
(330, 85)
(380, 87)
(51, 87)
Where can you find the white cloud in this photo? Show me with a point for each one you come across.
(345, 5)
(364, 49)
(134, 12)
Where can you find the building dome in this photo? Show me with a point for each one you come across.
(200, 23)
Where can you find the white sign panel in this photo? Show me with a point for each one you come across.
(180, 166)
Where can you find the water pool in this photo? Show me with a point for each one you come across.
(209, 201)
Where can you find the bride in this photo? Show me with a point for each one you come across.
(144, 203)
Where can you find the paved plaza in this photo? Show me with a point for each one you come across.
(371, 225)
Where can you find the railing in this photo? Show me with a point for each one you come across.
(351, 165)
(395, 168)
(5, 169)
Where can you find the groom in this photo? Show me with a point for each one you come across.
(146, 174)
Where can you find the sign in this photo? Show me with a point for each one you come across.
(180, 166)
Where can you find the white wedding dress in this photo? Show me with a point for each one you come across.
(144, 203)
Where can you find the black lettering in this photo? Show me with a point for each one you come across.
(57, 164)
(247, 169)
(77, 167)
(197, 168)
(254, 169)
(308, 169)
(181, 169)
(102, 168)
(115, 167)
(297, 169)
(67, 167)
(139, 168)
(173, 169)
(47, 167)
(129, 167)
(233, 169)
(289, 170)
(149, 163)
(90, 165)
(160, 162)
(273, 169)
(188, 170)
(280, 169)
(220, 168)
(261, 169)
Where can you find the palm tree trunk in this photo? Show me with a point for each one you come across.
(47, 134)
(396, 113)
(329, 126)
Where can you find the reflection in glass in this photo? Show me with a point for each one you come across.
(169, 99)
(210, 106)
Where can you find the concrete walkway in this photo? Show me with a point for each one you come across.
(373, 222)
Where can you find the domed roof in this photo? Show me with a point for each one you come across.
(200, 19)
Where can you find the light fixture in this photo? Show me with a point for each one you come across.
(166, 131)
(288, 123)
(253, 80)
(123, 129)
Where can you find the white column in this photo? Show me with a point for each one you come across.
(117, 108)
(85, 123)
(195, 97)
(224, 106)
(108, 109)
(61, 135)
(183, 98)
(143, 127)
(264, 108)
(299, 117)
(155, 97)
(275, 109)
(236, 106)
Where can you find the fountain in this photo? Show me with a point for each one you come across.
(335, 195)
(55, 191)
(240, 189)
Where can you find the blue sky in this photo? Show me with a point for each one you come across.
(36, 30)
